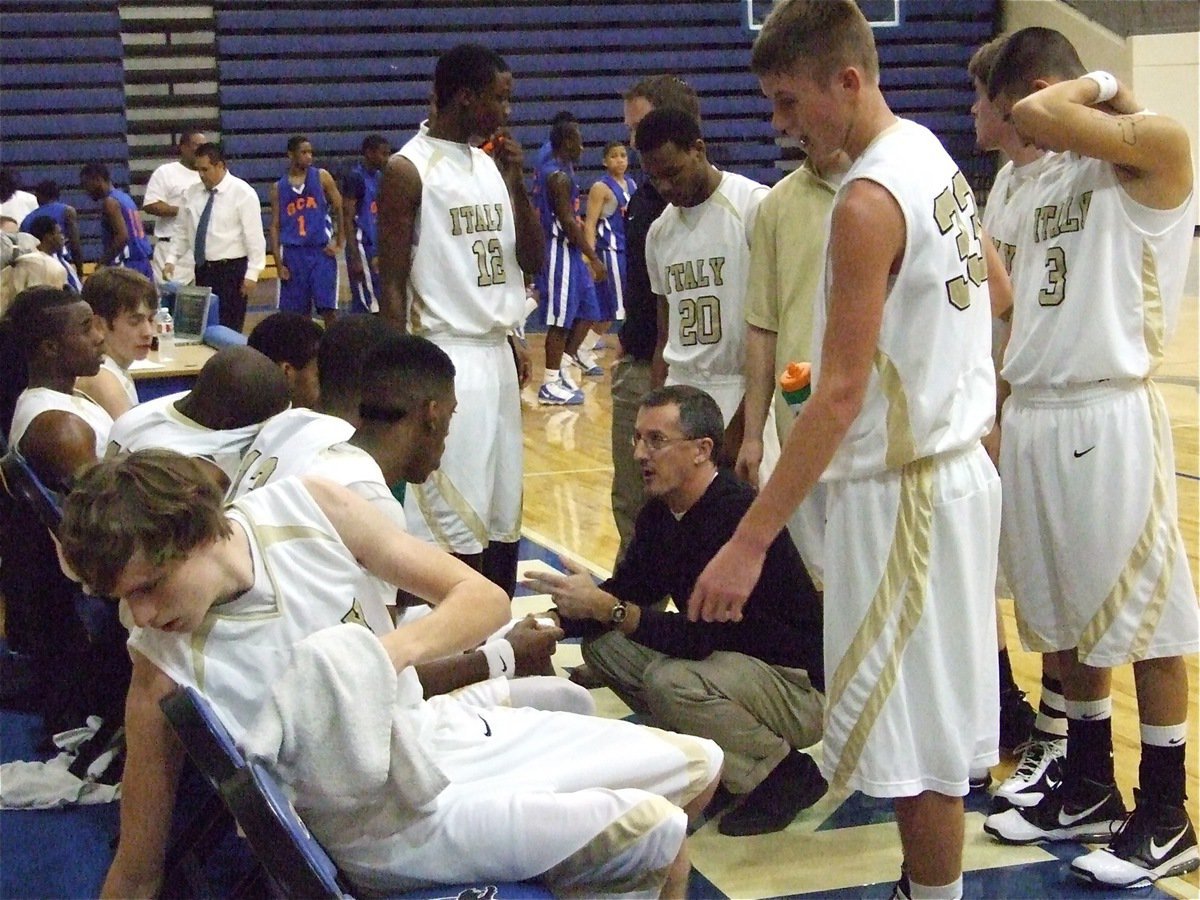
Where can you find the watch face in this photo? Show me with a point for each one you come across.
(617, 616)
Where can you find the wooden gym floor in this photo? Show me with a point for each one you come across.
(568, 473)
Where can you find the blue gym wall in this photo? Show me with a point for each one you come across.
(339, 70)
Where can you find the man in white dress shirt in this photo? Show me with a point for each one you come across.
(164, 197)
(230, 250)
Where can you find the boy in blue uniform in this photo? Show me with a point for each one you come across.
(565, 281)
(605, 228)
(125, 241)
(65, 216)
(306, 234)
(360, 209)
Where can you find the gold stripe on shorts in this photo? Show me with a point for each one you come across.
(440, 485)
(620, 836)
(698, 772)
(907, 565)
(1122, 592)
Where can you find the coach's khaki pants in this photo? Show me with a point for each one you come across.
(754, 711)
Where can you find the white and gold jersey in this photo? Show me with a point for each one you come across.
(304, 581)
(287, 444)
(1008, 202)
(1097, 278)
(32, 402)
(157, 423)
(464, 279)
(932, 387)
(699, 259)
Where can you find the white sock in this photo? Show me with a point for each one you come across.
(951, 891)
(550, 376)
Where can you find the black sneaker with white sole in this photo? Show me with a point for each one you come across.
(1017, 718)
(1157, 841)
(1038, 773)
(1082, 810)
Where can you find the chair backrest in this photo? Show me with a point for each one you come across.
(203, 735)
(24, 486)
(291, 856)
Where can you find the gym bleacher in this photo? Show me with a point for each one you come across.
(339, 72)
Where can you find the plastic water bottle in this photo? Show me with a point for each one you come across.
(795, 383)
(164, 329)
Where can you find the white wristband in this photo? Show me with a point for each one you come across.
(1106, 83)
(500, 658)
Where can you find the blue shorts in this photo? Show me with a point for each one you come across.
(312, 281)
(566, 287)
(610, 293)
(364, 295)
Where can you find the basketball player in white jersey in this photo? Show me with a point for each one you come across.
(48, 338)
(494, 792)
(124, 302)
(237, 390)
(1038, 738)
(456, 232)
(904, 391)
(290, 443)
(1092, 546)
(403, 411)
(698, 259)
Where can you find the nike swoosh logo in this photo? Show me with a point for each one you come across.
(487, 729)
(1079, 453)
(503, 664)
(1174, 742)
(1157, 853)
(1065, 818)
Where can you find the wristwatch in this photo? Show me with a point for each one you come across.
(618, 614)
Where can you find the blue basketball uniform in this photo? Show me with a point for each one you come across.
(137, 250)
(305, 229)
(610, 244)
(363, 185)
(58, 212)
(565, 282)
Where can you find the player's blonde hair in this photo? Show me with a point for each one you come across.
(820, 35)
(156, 501)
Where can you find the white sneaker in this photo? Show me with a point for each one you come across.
(564, 375)
(1038, 773)
(587, 363)
(558, 394)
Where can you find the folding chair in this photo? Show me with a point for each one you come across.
(295, 864)
(24, 486)
(299, 865)
(216, 757)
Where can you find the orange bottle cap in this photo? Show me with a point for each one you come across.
(795, 376)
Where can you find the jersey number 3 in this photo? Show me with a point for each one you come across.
(948, 210)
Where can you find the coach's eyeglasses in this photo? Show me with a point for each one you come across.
(654, 441)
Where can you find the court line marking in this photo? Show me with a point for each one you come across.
(555, 547)
(569, 472)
